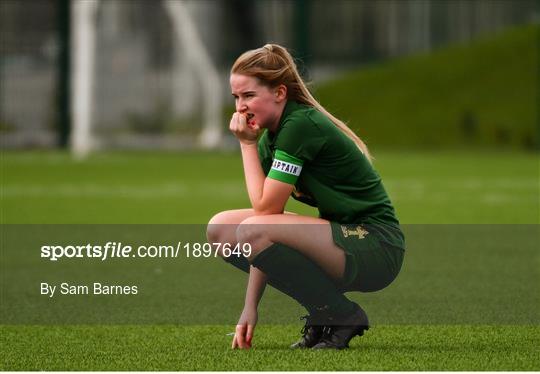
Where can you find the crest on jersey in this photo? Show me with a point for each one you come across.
(358, 231)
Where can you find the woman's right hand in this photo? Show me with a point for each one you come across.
(244, 328)
(245, 133)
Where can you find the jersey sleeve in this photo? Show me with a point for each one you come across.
(285, 167)
(265, 155)
(299, 141)
(300, 138)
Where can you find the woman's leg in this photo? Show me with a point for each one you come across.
(299, 251)
(300, 259)
(313, 238)
(308, 235)
(222, 227)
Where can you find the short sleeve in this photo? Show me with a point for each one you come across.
(285, 168)
(300, 138)
(265, 155)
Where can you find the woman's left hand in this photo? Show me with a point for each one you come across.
(245, 328)
(245, 133)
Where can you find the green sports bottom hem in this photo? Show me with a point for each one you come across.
(372, 263)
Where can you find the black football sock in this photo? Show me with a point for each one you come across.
(240, 262)
(307, 282)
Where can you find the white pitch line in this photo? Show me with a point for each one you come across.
(128, 191)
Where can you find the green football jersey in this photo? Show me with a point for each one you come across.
(326, 168)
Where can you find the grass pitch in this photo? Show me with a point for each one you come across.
(207, 348)
(460, 91)
(426, 187)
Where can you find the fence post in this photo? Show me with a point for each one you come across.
(63, 103)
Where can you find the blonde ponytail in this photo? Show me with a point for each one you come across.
(273, 65)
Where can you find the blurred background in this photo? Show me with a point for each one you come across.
(154, 74)
(444, 92)
(116, 112)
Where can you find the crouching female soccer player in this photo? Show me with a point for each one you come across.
(355, 244)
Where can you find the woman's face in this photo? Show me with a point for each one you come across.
(262, 105)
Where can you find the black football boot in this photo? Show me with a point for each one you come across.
(311, 334)
(342, 329)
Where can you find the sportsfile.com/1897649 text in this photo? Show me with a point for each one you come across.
(111, 250)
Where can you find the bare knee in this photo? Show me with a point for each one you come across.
(222, 229)
(214, 229)
(253, 232)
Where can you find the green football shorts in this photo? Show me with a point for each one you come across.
(374, 255)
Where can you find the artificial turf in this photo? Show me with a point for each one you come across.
(493, 324)
(391, 347)
(438, 187)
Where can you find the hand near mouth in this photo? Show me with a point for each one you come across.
(249, 118)
(246, 131)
